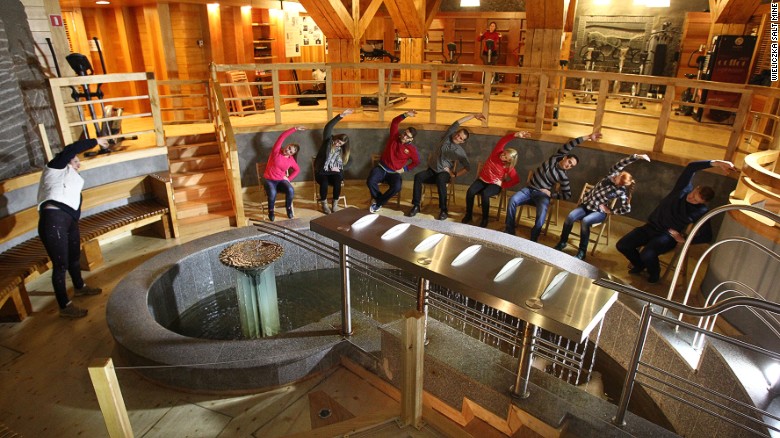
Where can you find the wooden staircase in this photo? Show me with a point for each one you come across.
(200, 188)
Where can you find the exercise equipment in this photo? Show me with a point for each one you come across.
(452, 57)
(586, 84)
(368, 52)
(390, 98)
(490, 59)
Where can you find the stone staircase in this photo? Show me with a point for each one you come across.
(199, 183)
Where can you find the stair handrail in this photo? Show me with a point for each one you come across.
(228, 151)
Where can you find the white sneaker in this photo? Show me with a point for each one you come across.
(374, 208)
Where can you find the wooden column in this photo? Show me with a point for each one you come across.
(344, 51)
(109, 396)
(411, 53)
(545, 21)
(413, 338)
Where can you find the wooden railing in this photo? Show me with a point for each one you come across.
(87, 117)
(227, 150)
(185, 101)
(638, 112)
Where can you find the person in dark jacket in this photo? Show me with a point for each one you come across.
(330, 161)
(664, 229)
(59, 209)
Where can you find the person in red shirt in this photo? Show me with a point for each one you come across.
(275, 178)
(490, 55)
(497, 173)
(399, 156)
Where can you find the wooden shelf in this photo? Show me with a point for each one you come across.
(261, 24)
(261, 58)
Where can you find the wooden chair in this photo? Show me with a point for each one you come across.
(374, 161)
(501, 196)
(433, 191)
(264, 202)
(554, 203)
(242, 93)
(316, 186)
(605, 225)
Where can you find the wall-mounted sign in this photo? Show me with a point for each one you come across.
(55, 20)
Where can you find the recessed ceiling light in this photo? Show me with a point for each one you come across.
(102, 2)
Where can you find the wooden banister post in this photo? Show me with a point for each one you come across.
(413, 338)
(109, 396)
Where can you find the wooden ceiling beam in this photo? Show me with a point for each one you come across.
(736, 11)
(409, 24)
(544, 14)
(368, 15)
(332, 17)
(431, 10)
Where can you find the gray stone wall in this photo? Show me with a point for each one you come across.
(24, 92)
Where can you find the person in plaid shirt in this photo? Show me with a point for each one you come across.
(544, 178)
(594, 207)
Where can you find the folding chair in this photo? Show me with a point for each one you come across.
(241, 93)
(554, 203)
(374, 161)
(501, 196)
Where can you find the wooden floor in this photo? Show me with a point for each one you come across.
(46, 391)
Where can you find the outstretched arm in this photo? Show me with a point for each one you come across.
(566, 148)
(478, 116)
(68, 152)
(280, 141)
(620, 165)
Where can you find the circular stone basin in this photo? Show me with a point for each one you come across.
(158, 291)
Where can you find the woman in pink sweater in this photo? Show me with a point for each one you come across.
(280, 170)
(497, 173)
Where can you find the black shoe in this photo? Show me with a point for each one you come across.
(466, 219)
(653, 278)
(413, 212)
(509, 231)
(443, 215)
(560, 246)
(635, 270)
(290, 214)
(483, 223)
(271, 216)
(580, 254)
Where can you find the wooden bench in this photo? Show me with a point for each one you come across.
(151, 201)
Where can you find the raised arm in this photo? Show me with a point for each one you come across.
(505, 140)
(571, 144)
(68, 152)
(397, 121)
(276, 150)
(327, 132)
(620, 165)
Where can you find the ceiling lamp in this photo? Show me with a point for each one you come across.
(469, 3)
(657, 3)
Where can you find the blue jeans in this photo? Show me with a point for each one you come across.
(654, 242)
(271, 188)
(528, 195)
(588, 218)
(379, 175)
